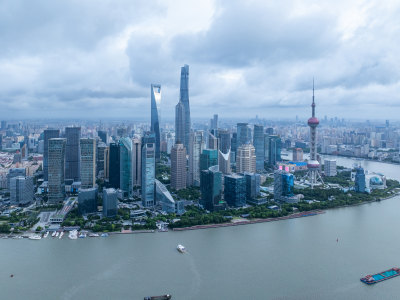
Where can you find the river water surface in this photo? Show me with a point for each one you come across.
(290, 259)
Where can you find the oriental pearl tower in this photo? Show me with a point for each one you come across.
(313, 164)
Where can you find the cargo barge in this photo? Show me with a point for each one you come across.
(371, 279)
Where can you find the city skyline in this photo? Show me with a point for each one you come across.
(104, 65)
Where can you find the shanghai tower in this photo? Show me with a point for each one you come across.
(155, 116)
(184, 98)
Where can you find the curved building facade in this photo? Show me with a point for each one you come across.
(156, 116)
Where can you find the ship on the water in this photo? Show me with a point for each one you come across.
(162, 297)
(378, 277)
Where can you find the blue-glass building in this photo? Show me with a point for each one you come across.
(360, 180)
(253, 181)
(235, 190)
(274, 149)
(283, 185)
(87, 201)
(208, 158)
(211, 188)
(184, 98)
(156, 117)
(110, 202)
(114, 166)
(259, 145)
(148, 174)
(125, 158)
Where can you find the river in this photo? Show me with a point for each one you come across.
(291, 259)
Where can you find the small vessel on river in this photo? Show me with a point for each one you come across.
(181, 249)
(388, 274)
(162, 297)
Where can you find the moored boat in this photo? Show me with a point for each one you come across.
(46, 234)
(378, 277)
(105, 234)
(93, 235)
(73, 234)
(61, 234)
(35, 237)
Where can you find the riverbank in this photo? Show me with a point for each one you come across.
(247, 222)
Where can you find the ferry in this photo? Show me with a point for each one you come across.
(181, 249)
(35, 237)
(378, 277)
(162, 297)
(61, 234)
(46, 234)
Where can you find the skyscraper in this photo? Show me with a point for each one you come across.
(178, 167)
(114, 166)
(48, 134)
(297, 154)
(56, 169)
(330, 167)
(156, 117)
(208, 158)
(235, 190)
(283, 186)
(125, 165)
(246, 159)
(224, 140)
(184, 98)
(101, 159)
(148, 174)
(224, 162)
(72, 161)
(274, 149)
(196, 147)
(180, 122)
(110, 202)
(87, 200)
(103, 136)
(243, 134)
(212, 142)
(137, 162)
(259, 145)
(88, 163)
(359, 180)
(21, 190)
(210, 187)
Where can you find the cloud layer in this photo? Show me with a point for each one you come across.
(97, 59)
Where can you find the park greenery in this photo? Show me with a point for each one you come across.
(190, 193)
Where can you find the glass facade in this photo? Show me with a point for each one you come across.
(156, 116)
(243, 134)
(148, 174)
(208, 158)
(88, 163)
(114, 166)
(274, 149)
(56, 184)
(48, 134)
(259, 145)
(210, 187)
(184, 98)
(235, 190)
(125, 165)
(72, 151)
(360, 180)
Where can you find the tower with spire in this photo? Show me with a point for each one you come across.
(313, 165)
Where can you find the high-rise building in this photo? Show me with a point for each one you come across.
(224, 162)
(243, 134)
(164, 197)
(125, 165)
(359, 180)
(246, 159)
(88, 163)
(214, 122)
(274, 149)
(283, 186)
(107, 163)
(21, 190)
(114, 166)
(259, 145)
(212, 142)
(87, 201)
(208, 158)
(3, 125)
(235, 190)
(15, 172)
(136, 162)
(184, 98)
(103, 136)
(72, 152)
(101, 159)
(48, 134)
(148, 174)
(196, 147)
(297, 154)
(224, 140)
(110, 202)
(56, 185)
(330, 167)
(156, 117)
(180, 122)
(234, 142)
(253, 181)
(178, 167)
(210, 187)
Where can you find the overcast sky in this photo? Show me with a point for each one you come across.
(98, 58)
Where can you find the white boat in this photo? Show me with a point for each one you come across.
(61, 234)
(93, 235)
(73, 234)
(53, 234)
(104, 234)
(17, 237)
(35, 237)
(46, 234)
(82, 235)
(181, 249)
(57, 233)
